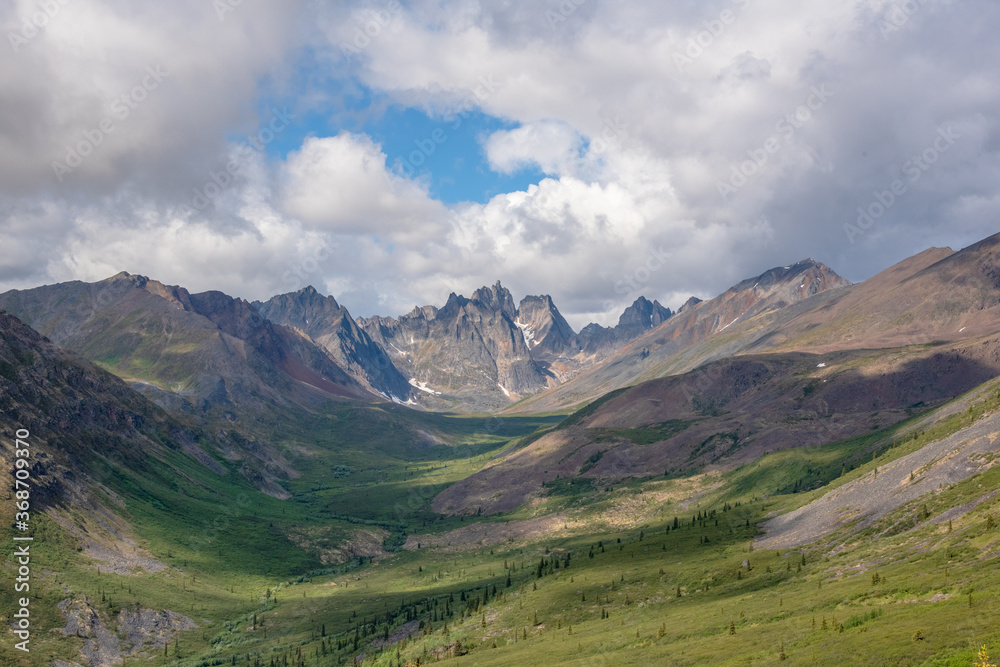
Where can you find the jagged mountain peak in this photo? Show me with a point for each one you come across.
(331, 326)
(309, 300)
(496, 298)
(645, 314)
(543, 326)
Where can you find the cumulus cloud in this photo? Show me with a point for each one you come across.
(553, 147)
(340, 184)
(731, 135)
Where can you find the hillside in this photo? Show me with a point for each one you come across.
(726, 414)
(700, 331)
(824, 494)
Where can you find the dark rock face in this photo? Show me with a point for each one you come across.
(544, 327)
(471, 351)
(331, 326)
(637, 319)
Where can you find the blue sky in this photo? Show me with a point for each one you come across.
(445, 151)
(448, 152)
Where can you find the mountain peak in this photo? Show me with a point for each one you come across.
(644, 313)
(126, 277)
(543, 325)
(496, 298)
(690, 303)
(312, 296)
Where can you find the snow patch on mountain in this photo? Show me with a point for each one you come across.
(728, 325)
(529, 335)
(422, 386)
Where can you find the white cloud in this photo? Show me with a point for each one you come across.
(340, 184)
(553, 147)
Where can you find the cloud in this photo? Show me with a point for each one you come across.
(635, 111)
(554, 147)
(340, 184)
(81, 83)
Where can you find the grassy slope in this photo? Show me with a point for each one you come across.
(227, 547)
(225, 544)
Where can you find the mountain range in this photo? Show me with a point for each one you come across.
(196, 455)
(480, 353)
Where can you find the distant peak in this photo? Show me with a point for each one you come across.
(125, 276)
(313, 295)
(644, 313)
(690, 303)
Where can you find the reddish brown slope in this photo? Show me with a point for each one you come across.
(729, 413)
(936, 295)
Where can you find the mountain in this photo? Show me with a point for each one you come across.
(939, 294)
(823, 469)
(729, 413)
(545, 329)
(331, 326)
(637, 319)
(86, 427)
(674, 343)
(801, 359)
(471, 352)
(204, 350)
(484, 352)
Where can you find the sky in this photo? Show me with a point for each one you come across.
(391, 152)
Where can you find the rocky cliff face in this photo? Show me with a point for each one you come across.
(331, 326)
(471, 351)
(484, 351)
(545, 329)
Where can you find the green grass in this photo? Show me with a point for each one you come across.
(232, 553)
